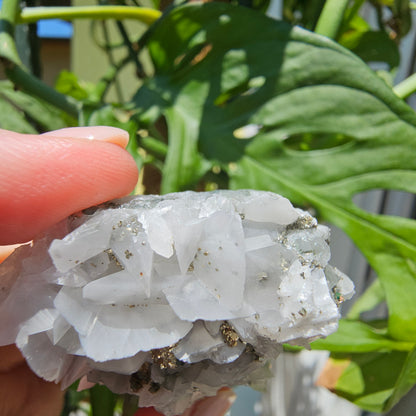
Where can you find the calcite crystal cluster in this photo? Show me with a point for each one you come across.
(171, 297)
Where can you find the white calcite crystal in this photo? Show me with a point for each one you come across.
(171, 297)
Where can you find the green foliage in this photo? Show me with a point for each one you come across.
(370, 45)
(278, 108)
(24, 113)
(69, 84)
(103, 401)
(227, 101)
(373, 380)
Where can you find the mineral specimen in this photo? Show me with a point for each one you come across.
(171, 297)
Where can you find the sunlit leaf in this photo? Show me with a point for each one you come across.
(374, 380)
(212, 80)
(285, 110)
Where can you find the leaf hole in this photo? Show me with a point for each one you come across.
(316, 141)
(245, 89)
(195, 55)
(387, 202)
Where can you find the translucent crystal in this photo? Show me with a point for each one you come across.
(171, 297)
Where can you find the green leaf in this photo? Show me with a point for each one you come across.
(371, 298)
(103, 401)
(355, 337)
(402, 17)
(23, 113)
(239, 97)
(69, 84)
(182, 151)
(375, 381)
(405, 381)
(372, 46)
(11, 118)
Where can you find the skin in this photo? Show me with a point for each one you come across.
(44, 179)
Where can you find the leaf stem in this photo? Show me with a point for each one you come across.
(34, 86)
(406, 88)
(143, 14)
(14, 68)
(130, 405)
(353, 11)
(154, 147)
(103, 401)
(8, 16)
(330, 20)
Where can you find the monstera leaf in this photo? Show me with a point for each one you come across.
(282, 109)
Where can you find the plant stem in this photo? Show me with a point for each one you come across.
(330, 20)
(9, 12)
(154, 147)
(14, 68)
(354, 10)
(103, 401)
(130, 405)
(143, 14)
(406, 87)
(105, 82)
(34, 86)
(110, 56)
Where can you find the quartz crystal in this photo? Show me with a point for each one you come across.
(171, 297)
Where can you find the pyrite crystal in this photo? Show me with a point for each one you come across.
(171, 297)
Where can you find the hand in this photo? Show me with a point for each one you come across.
(210, 406)
(44, 179)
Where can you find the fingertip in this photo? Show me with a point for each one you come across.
(5, 251)
(217, 405)
(101, 133)
(147, 411)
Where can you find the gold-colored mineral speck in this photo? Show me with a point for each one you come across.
(114, 258)
(228, 333)
(315, 265)
(165, 358)
(303, 223)
(128, 254)
(191, 267)
(285, 265)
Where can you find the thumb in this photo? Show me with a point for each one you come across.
(45, 178)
